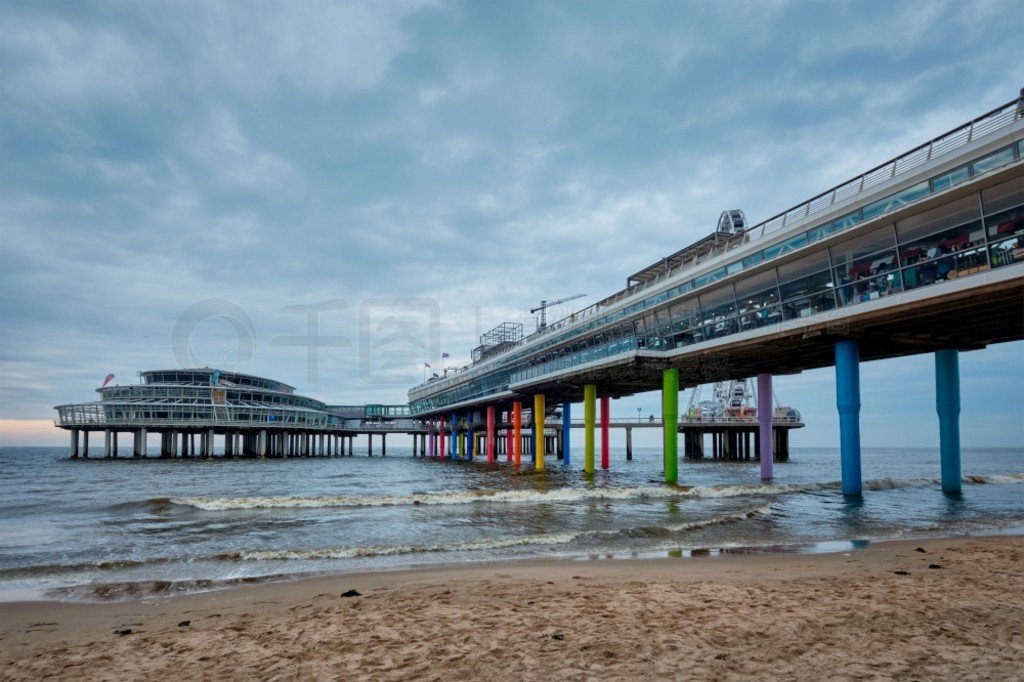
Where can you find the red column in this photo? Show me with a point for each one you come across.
(490, 433)
(605, 416)
(517, 431)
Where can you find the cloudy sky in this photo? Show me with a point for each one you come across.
(216, 183)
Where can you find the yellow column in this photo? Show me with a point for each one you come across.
(589, 414)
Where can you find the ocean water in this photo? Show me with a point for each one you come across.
(113, 529)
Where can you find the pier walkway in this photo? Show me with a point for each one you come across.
(921, 254)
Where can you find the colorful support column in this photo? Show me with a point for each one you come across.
(605, 431)
(453, 450)
(517, 432)
(442, 441)
(471, 419)
(848, 402)
(670, 422)
(538, 425)
(566, 428)
(947, 404)
(509, 437)
(589, 414)
(438, 437)
(764, 422)
(490, 433)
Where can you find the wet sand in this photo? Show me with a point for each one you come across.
(914, 610)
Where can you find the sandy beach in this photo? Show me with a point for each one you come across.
(908, 610)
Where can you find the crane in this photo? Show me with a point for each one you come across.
(544, 305)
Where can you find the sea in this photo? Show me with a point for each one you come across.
(114, 529)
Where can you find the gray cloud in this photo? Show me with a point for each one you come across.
(482, 155)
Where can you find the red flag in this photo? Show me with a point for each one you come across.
(107, 380)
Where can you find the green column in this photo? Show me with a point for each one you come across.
(589, 419)
(670, 417)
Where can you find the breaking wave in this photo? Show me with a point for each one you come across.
(484, 545)
(563, 495)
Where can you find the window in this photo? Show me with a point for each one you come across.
(1003, 196)
(894, 201)
(719, 312)
(753, 259)
(863, 265)
(930, 222)
(685, 325)
(806, 286)
(953, 177)
(710, 277)
(992, 161)
(1006, 237)
(790, 244)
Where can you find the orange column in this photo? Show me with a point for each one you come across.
(517, 431)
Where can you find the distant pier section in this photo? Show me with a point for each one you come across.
(252, 416)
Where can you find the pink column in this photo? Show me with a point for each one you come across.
(764, 419)
(605, 416)
(508, 436)
(490, 433)
(440, 436)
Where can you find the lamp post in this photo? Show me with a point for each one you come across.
(638, 411)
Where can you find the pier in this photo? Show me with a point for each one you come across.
(251, 416)
(923, 253)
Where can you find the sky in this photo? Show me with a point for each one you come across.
(333, 194)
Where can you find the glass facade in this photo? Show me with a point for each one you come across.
(960, 238)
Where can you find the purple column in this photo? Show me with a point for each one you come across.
(764, 418)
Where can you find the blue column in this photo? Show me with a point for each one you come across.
(471, 442)
(566, 428)
(453, 451)
(947, 404)
(848, 402)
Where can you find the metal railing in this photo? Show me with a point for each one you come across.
(101, 415)
(686, 419)
(998, 118)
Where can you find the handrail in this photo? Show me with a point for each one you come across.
(960, 136)
(685, 419)
(101, 420)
